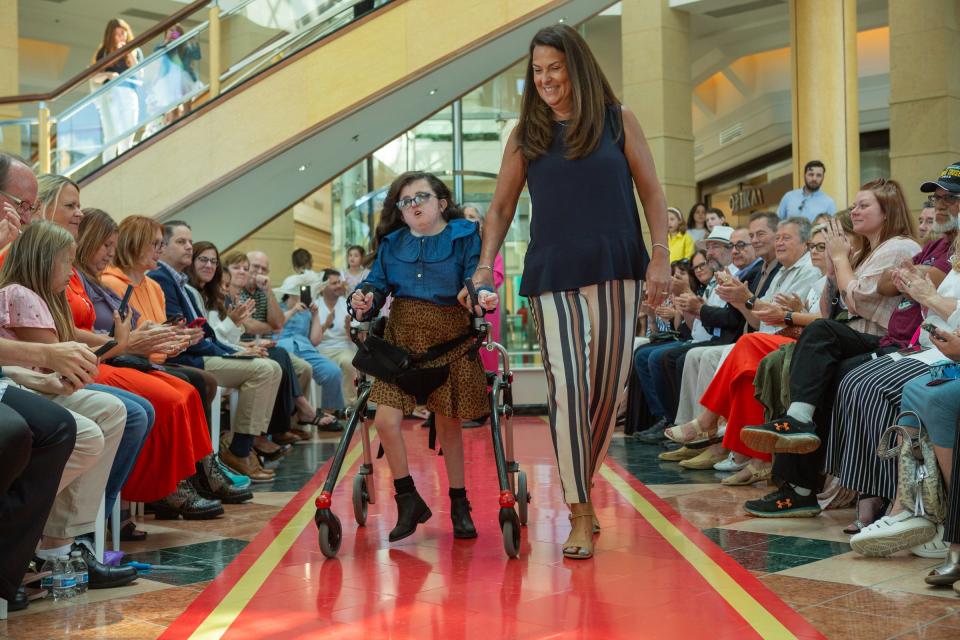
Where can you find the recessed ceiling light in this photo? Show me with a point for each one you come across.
(562, 20)
(302, 168)
(433, 92)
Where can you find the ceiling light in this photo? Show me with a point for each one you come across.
(302, 168)
(433, 92)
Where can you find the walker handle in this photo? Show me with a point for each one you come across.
(474, 300)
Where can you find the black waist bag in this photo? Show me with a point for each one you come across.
(395, 365)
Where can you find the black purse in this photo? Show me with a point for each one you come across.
(139, 363)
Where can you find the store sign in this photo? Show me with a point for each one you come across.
(748, 198)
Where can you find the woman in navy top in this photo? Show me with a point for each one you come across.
(581, 154)
(424, 249)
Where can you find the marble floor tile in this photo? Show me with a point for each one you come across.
(827, 526)
(851, 568)
(142, 585)
(839, 624)
(903, 605)
(802, 592)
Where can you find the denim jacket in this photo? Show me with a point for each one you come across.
(430, 268)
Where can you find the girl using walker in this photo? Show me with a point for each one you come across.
(423, 251)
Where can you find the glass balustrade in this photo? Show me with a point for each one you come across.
(98, 120)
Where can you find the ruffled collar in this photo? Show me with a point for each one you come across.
(406, 247)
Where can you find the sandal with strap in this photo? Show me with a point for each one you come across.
(689, 433)
(861, 521)
(130, 533)
(578, 548)
(750, 474)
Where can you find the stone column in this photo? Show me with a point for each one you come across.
(924, 91)
(826, 123)
(657, 88)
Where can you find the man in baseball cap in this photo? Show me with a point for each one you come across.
(945, 198)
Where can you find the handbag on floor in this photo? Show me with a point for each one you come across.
(918, 475)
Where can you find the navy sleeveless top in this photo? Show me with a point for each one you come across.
(585, 225)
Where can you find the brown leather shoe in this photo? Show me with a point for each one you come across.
(287, 437)
(301, 434)
(249, 466)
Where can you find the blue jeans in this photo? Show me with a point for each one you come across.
(938, 407)
(140, 417)
(326, 373)
(646, 366)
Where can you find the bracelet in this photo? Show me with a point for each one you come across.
(484, 266)
(662, 246)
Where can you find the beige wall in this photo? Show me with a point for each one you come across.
(924, 91)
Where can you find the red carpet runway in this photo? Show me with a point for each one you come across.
(653, 575)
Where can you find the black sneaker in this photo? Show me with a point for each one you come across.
(783, 435)
(784, 503)
(213, 484)
(653, 435)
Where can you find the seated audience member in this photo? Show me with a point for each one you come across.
(335, 342)
(821, 356)
(301, 334)
(36, 439)
(356, 270)
(657, 387)
(302, 262)
(731, 393)
(267, 317)
(868, 398)
(58, 199)
(206, 277)
(823, 218)
(938, 407)
(178, 451)
(162, 294)
(681, 244)
(926, 221)
(715, 218)
(33, 308)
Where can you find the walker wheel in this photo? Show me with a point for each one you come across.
(511, 538)
(360, 499)
(330, 535)
(523, 497)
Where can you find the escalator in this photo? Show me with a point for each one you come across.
(235, 162)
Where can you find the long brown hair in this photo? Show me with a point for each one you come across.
(898, 221)
(391, 218)
(592, 95)
(95, 229)
(106, 45)
(212, 291)
(30, 263)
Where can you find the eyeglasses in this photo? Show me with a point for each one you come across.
(819, 247)
(419, 198)
(205, 260)
(158, 245)
(934, 199)
(740, 246)
(23, 206)
(701, 267)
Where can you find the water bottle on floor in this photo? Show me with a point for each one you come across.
(46, 582)
(80, 571)
(63, 588)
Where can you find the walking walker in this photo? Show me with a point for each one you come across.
(514, 497)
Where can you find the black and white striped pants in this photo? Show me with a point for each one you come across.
(867, 402)
(586, 340)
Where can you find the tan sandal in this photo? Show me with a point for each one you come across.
(578, 548)
(749, 475)
(688, 433)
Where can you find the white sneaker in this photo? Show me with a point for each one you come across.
(891, 534)
(729, 464)
(936, 548)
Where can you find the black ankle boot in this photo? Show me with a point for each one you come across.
(411, 511)
(462, 522)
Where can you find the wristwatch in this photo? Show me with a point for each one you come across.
(788, 318)
(752, 300)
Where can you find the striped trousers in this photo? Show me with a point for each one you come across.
(586, 340)
(868, 400)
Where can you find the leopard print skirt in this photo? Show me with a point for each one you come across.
(417, 325)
